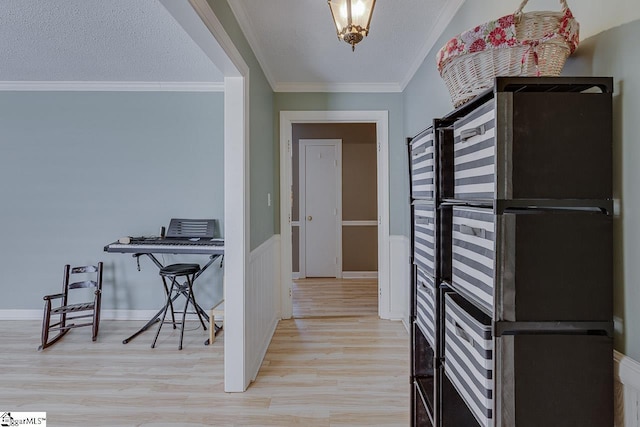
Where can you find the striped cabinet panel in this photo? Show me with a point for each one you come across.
(473, 254)
(506, 149)
(468, 356)
(426, 306)
(514, 265)
(474, 154)
(424, 237)
(423, 166)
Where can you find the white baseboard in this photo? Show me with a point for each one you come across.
(347, 275)
(9, 314)
(359, 274)
(104, 314)
(626, 373)
(406, 325)
(128, 314)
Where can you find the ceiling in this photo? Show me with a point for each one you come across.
(97, 41)
(297, 45)
(140, 41)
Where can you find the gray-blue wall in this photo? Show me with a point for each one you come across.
(263, 174)
(81, 169)
(616, 53)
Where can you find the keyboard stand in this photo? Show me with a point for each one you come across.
(156, 317)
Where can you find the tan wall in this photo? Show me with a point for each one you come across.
(359, 190)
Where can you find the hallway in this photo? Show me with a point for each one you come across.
(326, 297)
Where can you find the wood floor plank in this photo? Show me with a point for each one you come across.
(318, 371)
(326, 297)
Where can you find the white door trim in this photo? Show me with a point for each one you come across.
(236, 180)
(381, 119)
(302, 214)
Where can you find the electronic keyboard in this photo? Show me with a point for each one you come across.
(159, 245)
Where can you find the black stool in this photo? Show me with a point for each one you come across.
(173, 272)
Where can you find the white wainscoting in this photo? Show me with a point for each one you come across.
(262, 302)
(626, 373)
(400, 278)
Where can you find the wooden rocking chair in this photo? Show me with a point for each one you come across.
(68, 310)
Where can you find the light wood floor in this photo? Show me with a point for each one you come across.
(329, 371)
(333, 297)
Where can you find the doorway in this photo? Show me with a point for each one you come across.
(320, 203)
(379, 220)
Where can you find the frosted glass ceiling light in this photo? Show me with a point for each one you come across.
(352, 19)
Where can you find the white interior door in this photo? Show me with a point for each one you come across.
(320, 208)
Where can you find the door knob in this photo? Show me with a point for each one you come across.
(309, 218)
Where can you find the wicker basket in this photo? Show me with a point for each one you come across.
(521, 44)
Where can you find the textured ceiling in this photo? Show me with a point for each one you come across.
(297, 46)
(140, 41)
(97, 40)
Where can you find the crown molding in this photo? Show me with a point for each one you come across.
(339, 87)
(445, 17)
(81, 86)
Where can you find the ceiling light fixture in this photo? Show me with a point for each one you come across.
(352, 19)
